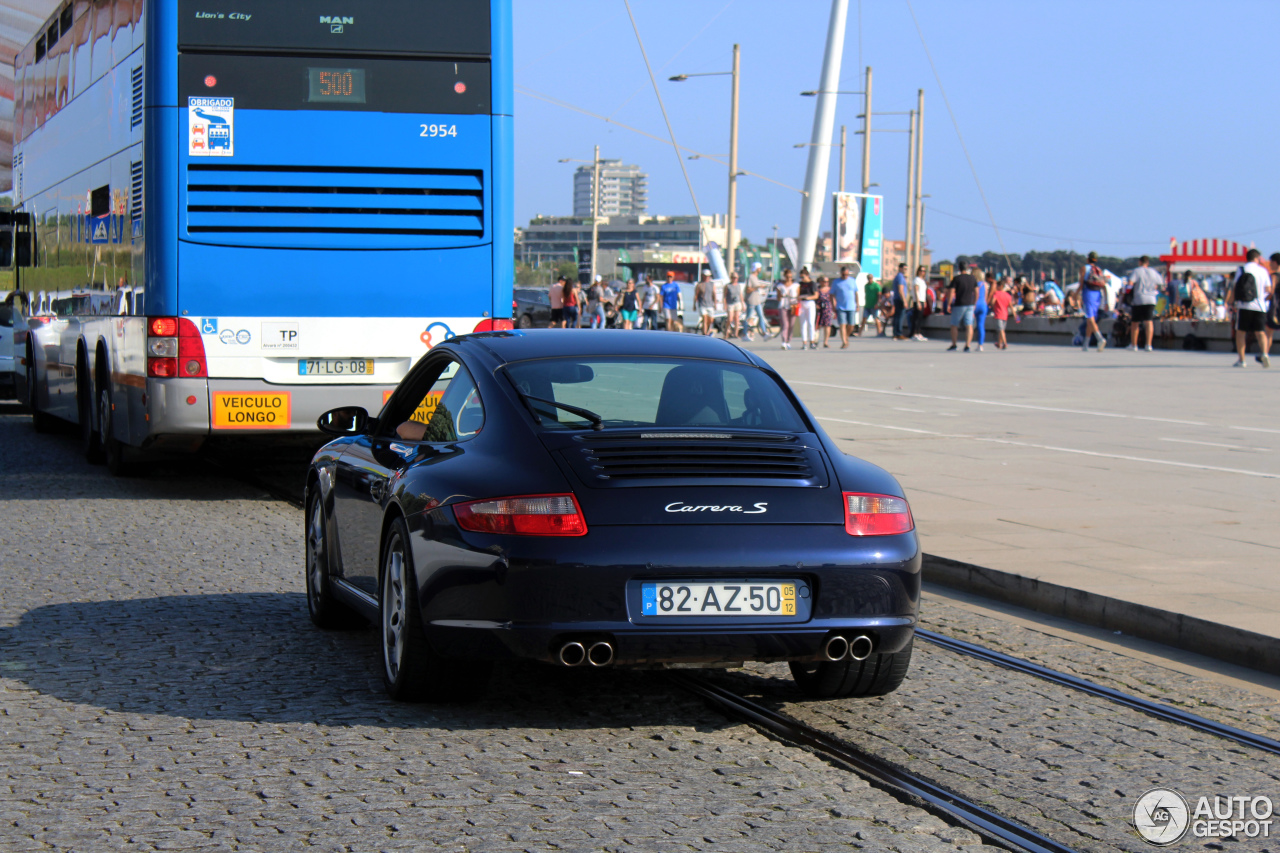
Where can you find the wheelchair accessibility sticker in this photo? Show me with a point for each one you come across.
(211, 125)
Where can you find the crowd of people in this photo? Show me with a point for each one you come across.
(819, 310)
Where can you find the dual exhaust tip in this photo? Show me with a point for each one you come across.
(857, 648)
(575, 653)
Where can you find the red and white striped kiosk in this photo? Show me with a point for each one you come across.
(1203, 257)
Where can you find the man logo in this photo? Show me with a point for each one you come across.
(336, 19)
(1161, 816)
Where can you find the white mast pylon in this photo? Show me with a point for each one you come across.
(815, 178)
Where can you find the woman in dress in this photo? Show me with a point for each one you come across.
(788, 306)
(826, 308)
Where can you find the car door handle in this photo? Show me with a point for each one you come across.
(376, 489)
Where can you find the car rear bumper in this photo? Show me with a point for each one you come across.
(524, 597)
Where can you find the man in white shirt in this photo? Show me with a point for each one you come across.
(920, 298)
(1249, 292)
(1142, 303)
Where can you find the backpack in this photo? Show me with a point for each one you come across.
(1246, 288)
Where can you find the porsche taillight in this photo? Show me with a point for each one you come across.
(530, 515)
(876, 515)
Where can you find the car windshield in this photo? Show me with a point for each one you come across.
(655, 392)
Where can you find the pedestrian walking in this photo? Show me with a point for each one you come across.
(871, 303)
(572, 301)
(884, 318)
(985, 289)
(1249, 295)
(1001, 302)
(826, 309)
(808, 296)
(846, 291)
(650, 299)
(704, 302)
(962, 293)
(788, 306)
(630, 304)
(1142, 302)
(1092, 284)
(756, 291)
(673, 303)
(1273, 305)
(556, 295)
(733, 307)
(595, 304)
(920, 303)
(900, 303)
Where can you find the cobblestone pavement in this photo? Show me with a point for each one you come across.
(1067, 764)
(161, 688)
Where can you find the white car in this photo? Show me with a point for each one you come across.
(12, 325)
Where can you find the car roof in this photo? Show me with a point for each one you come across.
(581, 343)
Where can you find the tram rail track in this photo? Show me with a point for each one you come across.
(987, 823)
(1159, 710)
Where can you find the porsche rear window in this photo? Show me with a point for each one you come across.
(653, 392)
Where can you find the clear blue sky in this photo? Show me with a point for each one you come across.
(1128, 122)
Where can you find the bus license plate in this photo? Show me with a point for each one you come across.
(335, 367)
(694, 599)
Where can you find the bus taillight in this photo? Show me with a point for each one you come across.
(175, 349)
(498, 324)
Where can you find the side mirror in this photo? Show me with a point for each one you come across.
(22, 249)
(348, 420)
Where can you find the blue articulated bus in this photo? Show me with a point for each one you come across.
(232, 215)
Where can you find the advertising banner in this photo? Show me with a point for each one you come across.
(859, 220)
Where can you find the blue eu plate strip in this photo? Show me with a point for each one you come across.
(649, 599)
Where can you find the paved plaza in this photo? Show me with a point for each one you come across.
(1151, 477)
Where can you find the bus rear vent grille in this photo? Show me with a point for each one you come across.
(735, 458)
(234, 199)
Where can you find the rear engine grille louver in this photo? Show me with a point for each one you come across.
(733, 459)
(335, 204)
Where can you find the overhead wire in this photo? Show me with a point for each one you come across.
(956, 124)
(670, 130)
(933, 209)
(676, 55)
(541, 96)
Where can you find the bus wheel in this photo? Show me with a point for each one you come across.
(40, 421)
(114, 451)
(90, 444)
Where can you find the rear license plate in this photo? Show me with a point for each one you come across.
(251, 411)
(335, 367)
(695, 599)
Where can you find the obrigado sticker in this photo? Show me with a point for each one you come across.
(251, 411)
(211, 127)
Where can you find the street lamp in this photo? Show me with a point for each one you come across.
(733, 151)
(595, 208)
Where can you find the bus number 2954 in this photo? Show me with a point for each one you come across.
(430, 130)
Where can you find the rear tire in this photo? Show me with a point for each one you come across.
(326, 610)
(411, 671)
(525, 322)
(90, 441)
(40, 421)
(876, 676)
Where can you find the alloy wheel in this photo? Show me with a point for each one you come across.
(394, 609)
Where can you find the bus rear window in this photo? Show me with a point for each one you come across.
(325, 83)
(404, 27)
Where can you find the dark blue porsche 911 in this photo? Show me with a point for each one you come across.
(607, 499)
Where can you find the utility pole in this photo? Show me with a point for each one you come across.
(733, 169)
(908, 249)
(595, 215)
(919, 158)
(866, 133)
(843, 139)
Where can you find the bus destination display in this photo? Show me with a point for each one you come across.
(336, 85)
